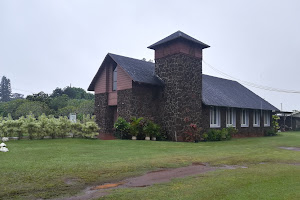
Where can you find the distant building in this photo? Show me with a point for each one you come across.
(289, 120)
(173, 92)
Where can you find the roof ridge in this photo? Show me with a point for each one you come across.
(129, 57)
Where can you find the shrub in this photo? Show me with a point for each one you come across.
(31, 126)
(64, 127)
(89, 129)
(219, 134)
(192, 133)
(151, 129)
(122, 128)
(136, 126)
(270, 132)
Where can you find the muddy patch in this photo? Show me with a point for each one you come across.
(148, 179)
(291, 148)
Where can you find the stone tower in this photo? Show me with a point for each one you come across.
(178, 62)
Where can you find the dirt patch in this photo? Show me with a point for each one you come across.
(148, 179)
(291, 148)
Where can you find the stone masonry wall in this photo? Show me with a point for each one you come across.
(145, 101)
(181, 100)
(103, 112)
(125, 104)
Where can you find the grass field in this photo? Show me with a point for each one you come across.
(51, 168)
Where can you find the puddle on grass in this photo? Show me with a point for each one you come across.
(290, 148)
(148, 179)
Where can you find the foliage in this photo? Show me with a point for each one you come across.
(275, 124)
(58, 104)
(90, 129)
(151, 129)
(11, 107)
(5, 89)
(41, 96)
(35, 108)
(192, 133)
(136, 126)
(122, 128)
(274, 128)
(47, 126)
(31, 126)
(219, 134)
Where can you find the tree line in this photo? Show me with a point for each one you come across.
(61, 102)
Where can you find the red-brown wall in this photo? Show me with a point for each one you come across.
(104, 82)
(178, 47)
(124, 82)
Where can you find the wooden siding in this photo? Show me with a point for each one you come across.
(123, 80)
(100, 86)
(112, 98)
(178, 47)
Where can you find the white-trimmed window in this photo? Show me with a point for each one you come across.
(267, 118)
(256, 118)
(114, 78)
(244, 118)
(230, 117)
(215, 117)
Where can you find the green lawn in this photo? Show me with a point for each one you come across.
(42, 168)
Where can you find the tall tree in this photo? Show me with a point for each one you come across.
(5, 89)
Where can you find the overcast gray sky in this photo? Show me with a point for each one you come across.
(48, 44)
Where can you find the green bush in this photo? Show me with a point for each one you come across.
(47, 126)
(151, 129)
(89, 129)
(270, 132)
(219, 134)
(122, 128)
(136, 126)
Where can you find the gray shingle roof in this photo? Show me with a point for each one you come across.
(178, 35)
(228, 93)
(215, 91)
(139, 70)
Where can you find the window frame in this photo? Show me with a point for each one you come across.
(256, 115)
(115, 79)
(267, 114)
(215, 115)
(246, 124)
(232, 117)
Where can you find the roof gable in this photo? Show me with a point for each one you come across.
(139, 71)
(178, 35)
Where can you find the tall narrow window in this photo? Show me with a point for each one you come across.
(244, 118)
(230, 117)
(256, 118)
(115, 80)
(214, 117)
(266, 118)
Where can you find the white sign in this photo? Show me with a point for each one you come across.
(72, 117)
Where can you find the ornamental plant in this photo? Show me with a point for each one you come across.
(219, 134)
(192, 133)
(31, 126)
(151, 129)
(90, 129)
(122, 128)
(136, 126)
